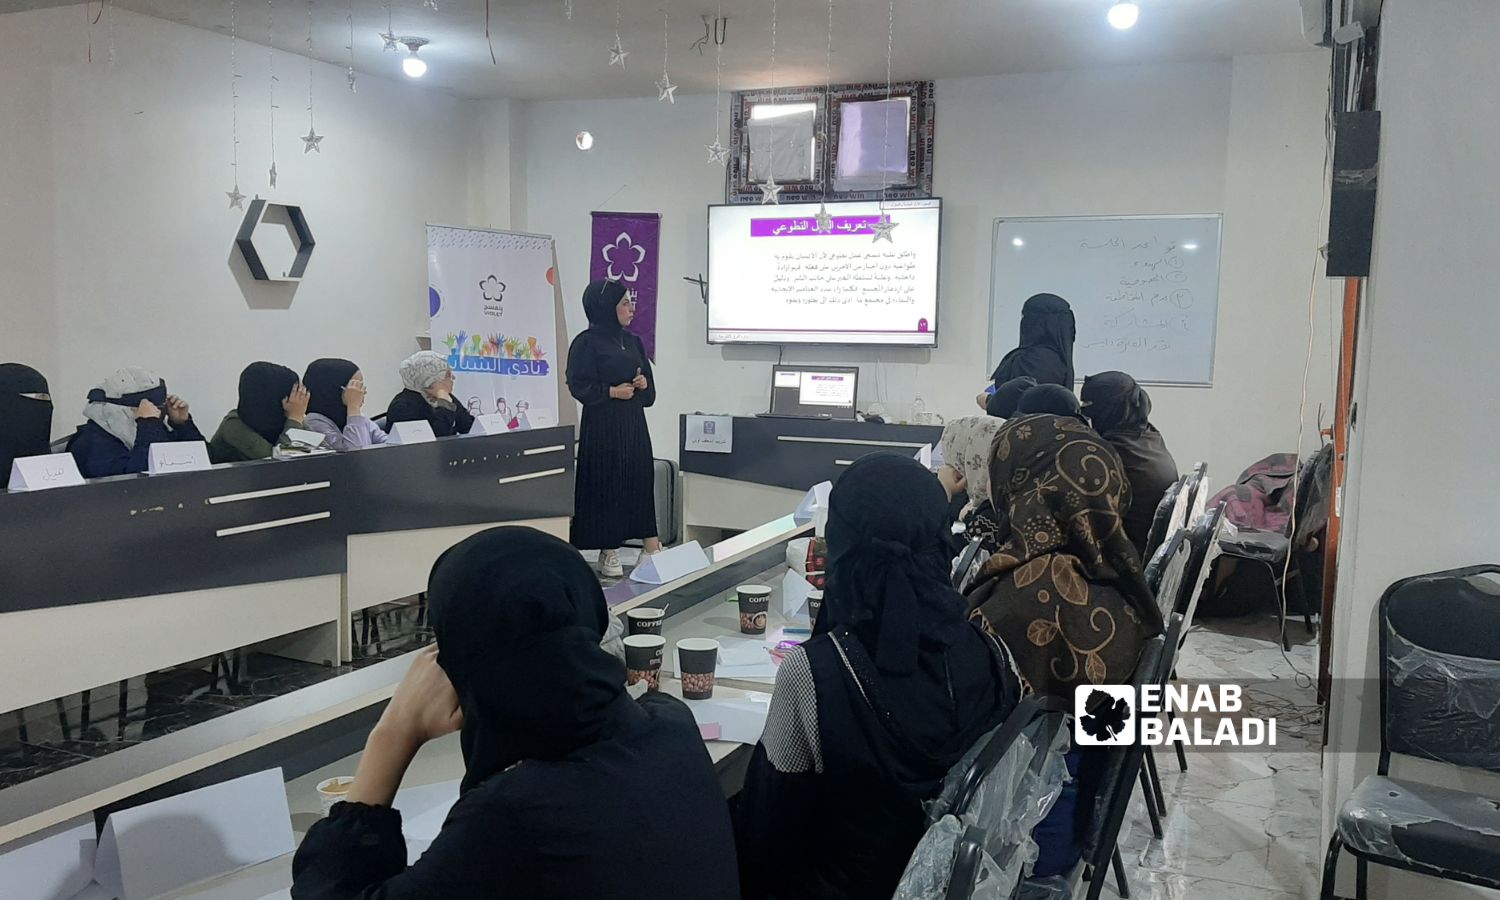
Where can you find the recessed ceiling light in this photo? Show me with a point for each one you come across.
(1124, 15)
(1017, 242)
(584, 140)
(1190, 245)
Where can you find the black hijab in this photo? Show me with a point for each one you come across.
(25, 422)
(518, 617)
(1049, 400)
(932, 680)
(599, 302)
(263, 386)
(325, 381)
(1002, 404)
(889, 562)
(1046, 348)
(1115, 403)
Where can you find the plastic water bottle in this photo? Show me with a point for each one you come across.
(918, 411)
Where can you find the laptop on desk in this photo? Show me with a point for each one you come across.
(813, 392)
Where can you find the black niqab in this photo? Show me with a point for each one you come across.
(1049, 400)
(325, 381)
(25, 422)
(263, 386)
(1002, 404)
(1046, 346)
(1115, 402)
(600, 300)
(888, 561)
(518, 617)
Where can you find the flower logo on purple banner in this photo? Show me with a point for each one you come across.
(623, 259)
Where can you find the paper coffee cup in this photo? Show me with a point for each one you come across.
(755, 602)
(645, 620)
(643, 653)
(814, 605)
(697, 658)
(333, 790)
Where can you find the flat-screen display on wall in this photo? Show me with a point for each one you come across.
(785, 275)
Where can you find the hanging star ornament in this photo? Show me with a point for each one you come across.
(617, 53)
(353, 83)
(883, 228)
(390, 41)
(272, 175)
(666, 90)
(312, 141)
(236, 199)
(824, 220)
(770, 192)
(717, 152)
(430, 4)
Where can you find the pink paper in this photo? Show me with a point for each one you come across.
(709, 731)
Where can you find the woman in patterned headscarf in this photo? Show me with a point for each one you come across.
(965, 475)
(1066, 591)
(427, 395)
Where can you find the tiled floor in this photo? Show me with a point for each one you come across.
(1240, 825)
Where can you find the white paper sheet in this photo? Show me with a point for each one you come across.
(814, 500)
(739, 720)
(161, 846)
(794, 591)
(709, 434)
(424, 809)
(671, 564)
(52, 865)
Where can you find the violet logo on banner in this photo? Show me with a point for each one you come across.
(491, 302)
(625, 249)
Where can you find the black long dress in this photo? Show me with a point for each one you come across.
(614, 500)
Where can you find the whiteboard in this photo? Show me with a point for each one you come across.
(1144, 290)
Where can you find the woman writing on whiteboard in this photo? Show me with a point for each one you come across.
(1046, 349)
(609, 374)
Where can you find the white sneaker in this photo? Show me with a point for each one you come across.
(609, 564)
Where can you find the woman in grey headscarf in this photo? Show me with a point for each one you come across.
(126, 414)
(428, 396)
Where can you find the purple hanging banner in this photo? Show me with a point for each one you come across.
(625, 249)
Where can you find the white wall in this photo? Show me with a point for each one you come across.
(1242, 138)
(116, 236)
(1421, 495)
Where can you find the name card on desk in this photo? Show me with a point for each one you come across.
(35, 473)
(494, 423)
(709, 434)
(177, 456)
(403, 433)
(158, 847)
(924, 456)
(670, 565)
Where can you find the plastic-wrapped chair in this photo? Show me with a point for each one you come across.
(1117, 785)
(1161, 520)
(1197, 494)
(966, 567)
(1439, 701)
(1002, 789)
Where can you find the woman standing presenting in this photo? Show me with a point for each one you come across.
(608, 373)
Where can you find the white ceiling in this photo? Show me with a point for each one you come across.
(542, 55)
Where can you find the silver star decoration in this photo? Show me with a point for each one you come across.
(617, 53)
(272, 173)
(770, 192)
(430, 4)
(353, 83)
(666, 90)
(717, 152)
(236, 199)
(824, 220)
(883, 229)
(312, 141)
(390, 41)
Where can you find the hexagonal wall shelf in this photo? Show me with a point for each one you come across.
(245, 240)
